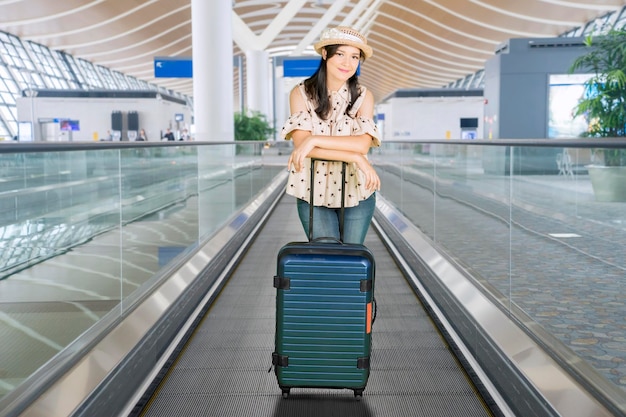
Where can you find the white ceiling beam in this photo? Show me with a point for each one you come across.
(487, 24)
(48, 17)
(520, 16)
(245, 39)
(366, 19)
(281, 20)
(121, 34)
(184, 51)
(402, 24)
(595, 7)
(314, 33)
(355, 13)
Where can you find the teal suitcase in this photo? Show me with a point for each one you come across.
(324, 313)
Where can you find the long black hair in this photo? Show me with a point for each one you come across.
(317, 90)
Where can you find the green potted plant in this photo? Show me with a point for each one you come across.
(604, 106)
(251, 126)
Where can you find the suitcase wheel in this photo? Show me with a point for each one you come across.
(285, 392)
(358, 394)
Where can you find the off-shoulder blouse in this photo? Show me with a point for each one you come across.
(328, 173)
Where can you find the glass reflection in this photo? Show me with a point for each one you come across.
(82, 231)
(529, 227)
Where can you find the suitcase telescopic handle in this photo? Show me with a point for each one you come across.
(312, 199)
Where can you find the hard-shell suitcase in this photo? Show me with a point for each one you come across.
(324, 313)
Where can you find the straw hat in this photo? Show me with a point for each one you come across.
(342, 35)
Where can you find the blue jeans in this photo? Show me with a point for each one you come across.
(326, 220)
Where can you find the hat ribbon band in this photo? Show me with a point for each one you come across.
(337, 34)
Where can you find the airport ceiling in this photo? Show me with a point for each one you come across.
(417, 43)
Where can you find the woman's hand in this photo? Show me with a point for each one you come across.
(301, 152)
(372, 181)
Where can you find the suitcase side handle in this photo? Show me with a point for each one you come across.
(312, 199)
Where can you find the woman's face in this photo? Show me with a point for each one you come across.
(344, 63)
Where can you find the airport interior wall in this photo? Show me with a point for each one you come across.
(93, 112)
(426, 114)
(517, 96)
(516, 84)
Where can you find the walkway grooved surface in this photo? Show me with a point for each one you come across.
(224, 369)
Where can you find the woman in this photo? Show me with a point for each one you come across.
(331, 120)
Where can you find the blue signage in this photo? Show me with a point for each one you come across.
(179, 67)
(173, 67)
(300, 67)
(182, 67)
(303, 67)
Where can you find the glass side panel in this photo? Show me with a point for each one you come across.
(83, 231)
(567, 257)
(533, 227)
(51, 290)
